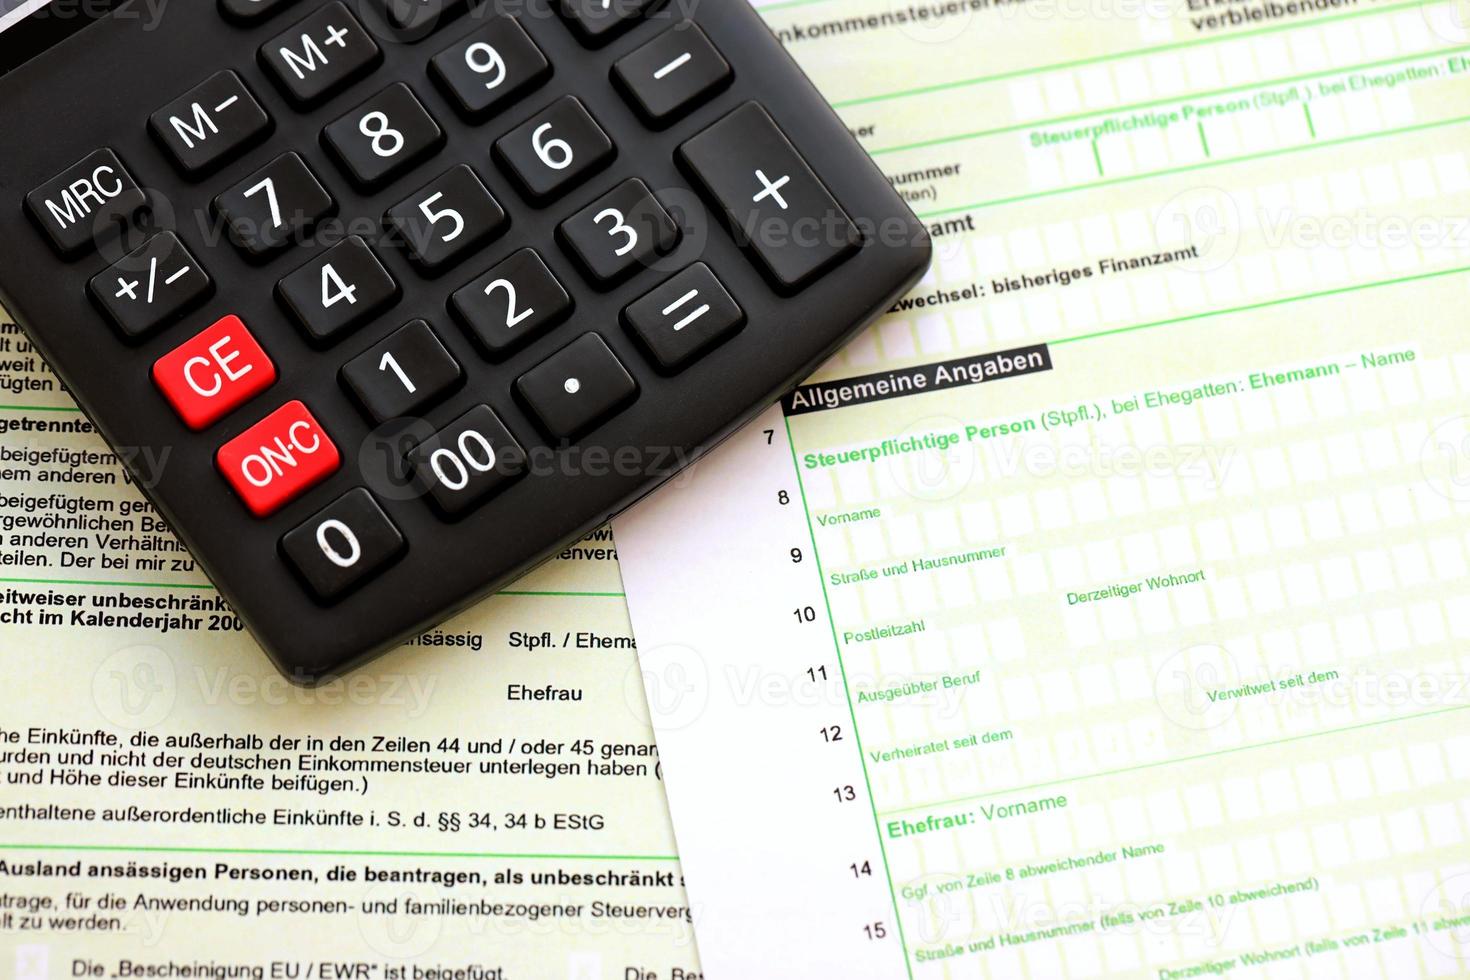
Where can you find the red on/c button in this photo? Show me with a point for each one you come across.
(211, 375)
(278, 459)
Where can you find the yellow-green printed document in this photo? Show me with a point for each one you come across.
(484, 804)
(1105, 610)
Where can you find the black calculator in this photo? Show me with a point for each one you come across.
(385, 301)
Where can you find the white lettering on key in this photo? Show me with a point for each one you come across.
(354, 549)
(692, 294)
(772, 190)
(220, 368)
(672, 66)
(259, 469)
(76, 199)
(200, 129)
(312, 57)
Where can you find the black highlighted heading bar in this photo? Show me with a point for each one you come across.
(918, 380)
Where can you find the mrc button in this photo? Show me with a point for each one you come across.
(216, 372)
(278, 459)
(86, 202)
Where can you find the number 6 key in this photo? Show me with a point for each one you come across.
(557, 148)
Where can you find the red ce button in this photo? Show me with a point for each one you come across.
(210, 376)
(278, 459)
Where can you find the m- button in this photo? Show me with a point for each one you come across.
(88, 201)
(214, 120)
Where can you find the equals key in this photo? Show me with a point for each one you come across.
(671, 74)
(684, 318)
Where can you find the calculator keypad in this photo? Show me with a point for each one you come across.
(274, 206)
(671, 74)
(403, 375)
(556, 149)
(214, 120)
(321, 55)
(449, 219)
(278, 459)
(384, 136)
(576, 388)
(214, 373)
(338, 291)
(514, 302)
(489, 68)
(461, 218)
(463, 464)
(85, 203)
(343, 545)
(619, 233)
(152, 286)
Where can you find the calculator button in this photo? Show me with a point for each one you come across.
(321, 54)
(517, 300)
(248, 10)
(598, 21)
(447, 220)
(384, 136)
(278, 459)
(402, 375)
(559, 147)
(90, 200)
(487, 69)
(415, 16)
(214, 373)
(214, 120)
(672, 73)
(684, 318)
(152, 286)
(573, 390)
(344, 544)
(463, 464)
(269, 209)
(621, 232)
(338, 291)
(772, 201)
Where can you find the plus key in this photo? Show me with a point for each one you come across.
(770, 199)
